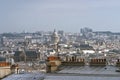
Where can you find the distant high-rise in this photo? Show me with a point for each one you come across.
(61, 32)
(85, 30)
(3, 41)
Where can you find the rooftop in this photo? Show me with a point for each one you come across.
(85, 73)
(72, 73)
(25, 76)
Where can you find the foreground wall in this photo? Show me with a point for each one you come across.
(4, 71)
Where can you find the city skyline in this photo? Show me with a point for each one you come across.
(67, 15)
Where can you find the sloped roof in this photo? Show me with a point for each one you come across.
(86, 47)
(29, 53)
(2, 59)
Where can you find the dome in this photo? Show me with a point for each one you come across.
(55, 34)
(55, 37)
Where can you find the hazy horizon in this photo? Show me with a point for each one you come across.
(67, 15)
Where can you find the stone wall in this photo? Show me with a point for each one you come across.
(4, 71)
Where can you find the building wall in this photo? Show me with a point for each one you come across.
(4, 71)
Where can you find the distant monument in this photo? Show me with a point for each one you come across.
(54, 37)
(55, 40)
(53, 62)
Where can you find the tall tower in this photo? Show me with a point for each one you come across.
(2, 42)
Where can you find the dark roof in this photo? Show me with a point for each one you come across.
(86, 47)
(2, 59)
(31, 53)
(17, 53)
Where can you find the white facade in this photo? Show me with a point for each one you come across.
(88, 51)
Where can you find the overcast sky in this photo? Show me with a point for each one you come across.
(67, 15)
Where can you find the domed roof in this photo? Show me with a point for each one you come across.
(55, 33)
(54, 37)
